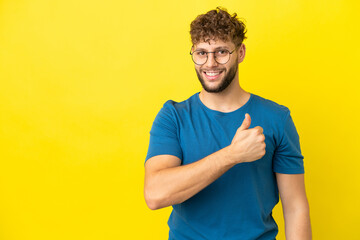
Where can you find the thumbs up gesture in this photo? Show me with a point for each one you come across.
(248, 145)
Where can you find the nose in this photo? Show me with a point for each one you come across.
(211, 60)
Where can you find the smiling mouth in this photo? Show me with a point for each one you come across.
(212, 73)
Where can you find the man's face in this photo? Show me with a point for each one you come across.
(215, 77)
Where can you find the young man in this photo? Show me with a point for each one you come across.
(222, 157)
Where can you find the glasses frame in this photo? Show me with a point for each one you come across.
(207, 56)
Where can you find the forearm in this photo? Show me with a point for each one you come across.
(297, 222)
(167, 183)
(174, 185)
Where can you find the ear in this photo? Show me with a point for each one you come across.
(241, 52)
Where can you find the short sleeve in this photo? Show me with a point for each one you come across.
(164, 134)
(287, 157)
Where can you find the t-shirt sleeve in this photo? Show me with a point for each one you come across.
(287, 157)
(164, 137)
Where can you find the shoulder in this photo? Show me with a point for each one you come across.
(269, 107)
(172, 112)
(171, 115)
(175, 108)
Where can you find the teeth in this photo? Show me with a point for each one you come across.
(212, 73)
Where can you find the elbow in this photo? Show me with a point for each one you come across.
(152, 204)
(153, 200)
(297, 208)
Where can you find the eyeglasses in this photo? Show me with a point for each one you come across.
(221, 56)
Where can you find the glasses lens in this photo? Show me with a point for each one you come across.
(199, 57)
(222, 56)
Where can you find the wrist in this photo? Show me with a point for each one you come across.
(229, 157)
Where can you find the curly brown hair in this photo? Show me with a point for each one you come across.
(217, 24)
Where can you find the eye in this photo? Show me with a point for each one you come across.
(201, 53)
(222, 52)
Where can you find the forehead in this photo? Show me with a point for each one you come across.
(214, 44)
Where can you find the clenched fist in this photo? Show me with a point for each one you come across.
(248, 145)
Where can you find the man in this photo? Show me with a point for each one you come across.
(222, 157)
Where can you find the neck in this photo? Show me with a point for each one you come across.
(232, 98)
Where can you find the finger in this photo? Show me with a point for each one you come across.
(262, 138)
(246, 123)
(259, 129)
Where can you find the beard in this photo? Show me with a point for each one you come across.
(225, 82)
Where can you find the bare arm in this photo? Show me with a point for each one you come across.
(295, 206)
(167, 183)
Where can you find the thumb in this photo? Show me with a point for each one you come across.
(246, 123)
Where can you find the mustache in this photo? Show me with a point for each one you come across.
(212, 69)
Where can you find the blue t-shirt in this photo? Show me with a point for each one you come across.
(239, 204)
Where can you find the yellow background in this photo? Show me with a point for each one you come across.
(82, 81)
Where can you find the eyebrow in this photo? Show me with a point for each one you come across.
(203, 49)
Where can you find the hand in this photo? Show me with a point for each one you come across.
(248, 145)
